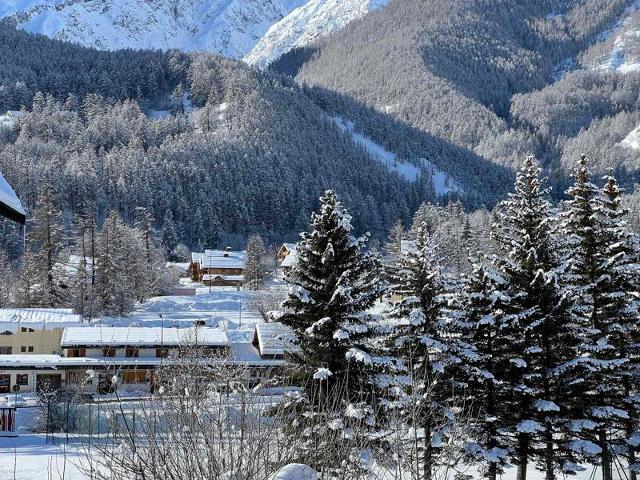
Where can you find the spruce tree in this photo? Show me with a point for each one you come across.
(255, 271)
(426, 357)
(333, 283)
(539, 321)
(45, 240)
(482, 309)
(602, 259)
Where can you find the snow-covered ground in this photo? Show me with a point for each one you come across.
(226, 308)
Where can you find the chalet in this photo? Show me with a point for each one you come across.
(287, 256)
(218, 267)
(34, 330)
(285, 250)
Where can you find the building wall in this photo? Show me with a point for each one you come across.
(42, 341)
(119, 352)
(32, 378)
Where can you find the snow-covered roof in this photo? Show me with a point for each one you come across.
(290, 260)
(229, 278)
(10, 205)
(223, 259)
(33, 361)
(274, 338)
(179, 266)
(244, 353)
(196, 257)
(289, 246)
(40, 318)
(142, 336)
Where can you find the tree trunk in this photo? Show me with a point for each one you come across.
(605, 456)
(549, 455)
(492, 472)
(428, 451)
(523, 456)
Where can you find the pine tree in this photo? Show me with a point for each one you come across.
(540, 324)
(482, 308)
(46, 240)
(602, 258)
(115, 282)
(7, 280)
(393, 246)
(169, 235)
(256, 270)
(334, 281)
(426, 354)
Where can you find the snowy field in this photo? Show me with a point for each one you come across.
(225, 308)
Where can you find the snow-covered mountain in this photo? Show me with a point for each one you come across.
(314, 19)
(229, 27)
(261, 30)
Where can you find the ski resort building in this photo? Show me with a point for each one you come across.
(219, 268)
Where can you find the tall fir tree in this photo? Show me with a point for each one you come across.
(45, 240)
(426, 358)
(602, 268)
(539, 321)
(256, 270)
(482, 306)
(333, 283)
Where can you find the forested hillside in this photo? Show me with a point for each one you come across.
(498, 78)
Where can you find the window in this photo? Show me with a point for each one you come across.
(76, 377)
(7, 332)
(131, 352)
(108, 352)
(22, 379)
(30, 349)
(162, 352)
(23, 329)
(23, 349)
(134, 376)
(6, 350)
(31, 330)
(76, 352)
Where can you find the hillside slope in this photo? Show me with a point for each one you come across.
(244, 151)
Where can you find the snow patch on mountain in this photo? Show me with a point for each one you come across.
(632, 140)
(303, 25)
(442, 183)
(623, 40)
(228, 27)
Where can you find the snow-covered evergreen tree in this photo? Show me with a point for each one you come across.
(333, 283)
(602, 265)
(256, 270)
(539, 324)
(481, 310)
(421, 383)
(45, 240)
